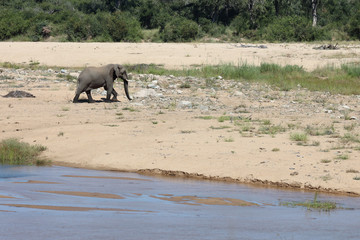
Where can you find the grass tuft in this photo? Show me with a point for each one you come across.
(313, 205)
(14, 152)
(299, 137)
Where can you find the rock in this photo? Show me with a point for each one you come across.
(144, 93)
(101, 92)
(74, 74)
(353, 118)
(184, 104)
(238, 94)
(203, 108)
(63, 71)
(153, 86)
(19, 94)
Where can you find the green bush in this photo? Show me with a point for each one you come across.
(124, 27)
(180, 29)
(210, 28)
(76, 29)
(11, 24)
(240, 24)
(14, 152)
(39, 30)
(354, 26)
(292, 28)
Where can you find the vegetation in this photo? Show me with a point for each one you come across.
(179, 20)
(343, 80)
(299, 137)
(315, 204)
(14, 152)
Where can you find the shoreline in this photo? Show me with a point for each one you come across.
(257, 183)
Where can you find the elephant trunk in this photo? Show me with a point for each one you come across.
(126, 88)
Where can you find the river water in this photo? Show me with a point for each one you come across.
(68, 203)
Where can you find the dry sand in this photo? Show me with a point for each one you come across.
(174, 55)
(162, 137)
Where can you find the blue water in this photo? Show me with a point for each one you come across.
(146, 217)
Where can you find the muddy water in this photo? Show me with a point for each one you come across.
(66, 203)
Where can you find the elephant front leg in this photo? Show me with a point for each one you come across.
(90, 99)
(109, 91)
(114, 93)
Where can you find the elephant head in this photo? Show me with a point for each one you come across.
(120, 72)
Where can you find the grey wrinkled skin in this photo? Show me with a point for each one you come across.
(96, 77)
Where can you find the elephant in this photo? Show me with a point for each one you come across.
(96, 77)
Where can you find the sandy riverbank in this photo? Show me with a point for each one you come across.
(177, 130)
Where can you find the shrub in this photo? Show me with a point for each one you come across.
(180, 29)
(13, 152)
(299, 137)
(240, 24)
(76, 29)
(210, 28)
(11, 24)
(39, 30)
(354, 26)
(292, 28)
(152, 14)
(124, 27)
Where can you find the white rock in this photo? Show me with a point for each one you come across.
(238, 94)
(151, 85)
(144, 93)
(74, 74)
(184, 104)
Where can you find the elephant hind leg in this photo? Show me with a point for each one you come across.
(90, 99)
(76, 98)
(77, 95)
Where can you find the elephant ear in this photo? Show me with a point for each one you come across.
(116, 71)
(123, 72)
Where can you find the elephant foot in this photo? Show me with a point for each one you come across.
(91, 101)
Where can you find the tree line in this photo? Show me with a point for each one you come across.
(179, 20)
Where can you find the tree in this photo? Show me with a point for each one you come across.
(124, 27)
(314, 5)
(180, 29)
(11, 24)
